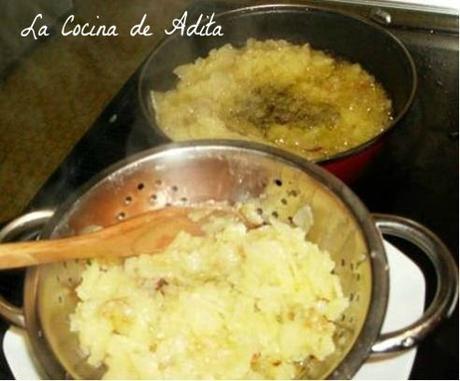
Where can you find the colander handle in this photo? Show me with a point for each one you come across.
(28, 224)
(446, 296)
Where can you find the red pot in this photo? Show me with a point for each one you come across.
(356, 39)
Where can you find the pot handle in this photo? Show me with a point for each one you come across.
(29, 223)
(445, 299)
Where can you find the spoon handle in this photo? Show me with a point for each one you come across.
(144, 234)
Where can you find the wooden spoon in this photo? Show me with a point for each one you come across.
(144, 234)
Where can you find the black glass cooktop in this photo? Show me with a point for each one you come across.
(416, 176)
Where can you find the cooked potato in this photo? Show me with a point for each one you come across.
(233, 304)
(274, 92)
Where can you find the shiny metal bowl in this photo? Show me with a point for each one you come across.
(229, 171)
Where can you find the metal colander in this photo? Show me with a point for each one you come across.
(189, 173)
